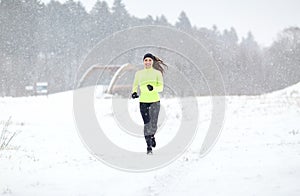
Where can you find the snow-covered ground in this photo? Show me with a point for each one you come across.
(258, 152)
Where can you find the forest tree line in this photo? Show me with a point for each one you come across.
(47, 42)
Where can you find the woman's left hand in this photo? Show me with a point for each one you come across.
(150, 87)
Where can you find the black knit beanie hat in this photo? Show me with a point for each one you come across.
(149, 55)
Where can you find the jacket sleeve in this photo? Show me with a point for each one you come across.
(135, 83)
(159, 83)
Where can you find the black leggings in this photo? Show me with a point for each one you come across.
(149, 112)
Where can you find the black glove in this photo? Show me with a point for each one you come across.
(150, 87)
(134, 95)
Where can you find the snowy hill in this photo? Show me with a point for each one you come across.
(258, 152)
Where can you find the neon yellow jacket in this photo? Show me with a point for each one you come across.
(148, 76)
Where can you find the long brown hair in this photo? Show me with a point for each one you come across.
(159, 65)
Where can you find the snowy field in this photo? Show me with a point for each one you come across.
(258, 152)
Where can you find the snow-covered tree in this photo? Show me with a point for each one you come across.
(120, 16)
(183, 23)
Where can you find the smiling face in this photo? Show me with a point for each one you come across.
(148, 62)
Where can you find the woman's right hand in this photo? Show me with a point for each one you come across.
(134, 95)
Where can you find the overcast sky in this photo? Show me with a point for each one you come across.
(264, 18)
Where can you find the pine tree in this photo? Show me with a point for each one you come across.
(120, 16)
(100, 19)
(183, 23)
